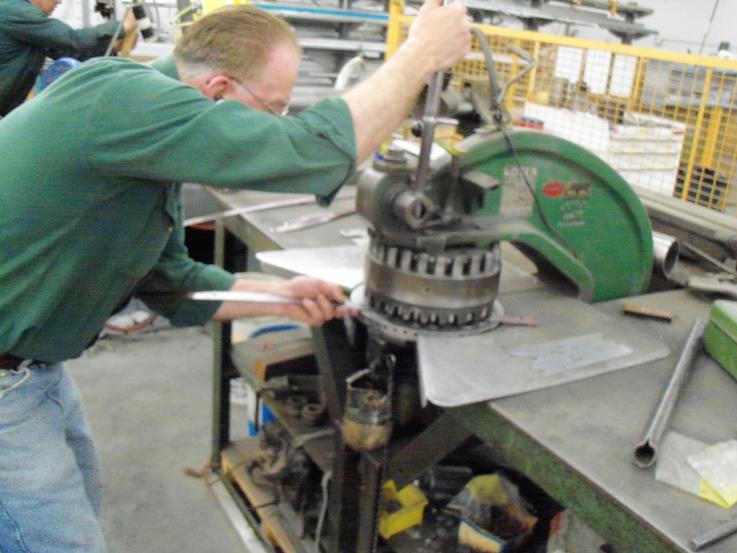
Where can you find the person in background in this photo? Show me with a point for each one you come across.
(91, 215)
(28, 35)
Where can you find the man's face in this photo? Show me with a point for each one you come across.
(272, 90)
(46, 6)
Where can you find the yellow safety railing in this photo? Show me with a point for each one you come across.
(666, 121)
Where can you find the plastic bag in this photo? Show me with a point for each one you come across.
(718, 466)
(673, 468)
(493, 517)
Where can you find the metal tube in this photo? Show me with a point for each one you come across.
(647, 448)
(665, 252)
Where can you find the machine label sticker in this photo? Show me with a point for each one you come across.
(516, 198)
(553, 189)
(515, 175)
(578, 190)
(573, 213)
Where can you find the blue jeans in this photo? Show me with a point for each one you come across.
(49, 476)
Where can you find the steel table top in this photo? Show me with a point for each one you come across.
(577, 440)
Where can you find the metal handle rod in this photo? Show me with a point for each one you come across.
(254, 297)
(246, 297)
(714, 535)
(646, 450)
(116, 34)
(429, 121)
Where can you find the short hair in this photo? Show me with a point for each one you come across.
(234, 39)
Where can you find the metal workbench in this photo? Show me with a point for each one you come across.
(576, 440)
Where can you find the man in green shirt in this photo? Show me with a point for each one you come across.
(91, 214)
(28, 35)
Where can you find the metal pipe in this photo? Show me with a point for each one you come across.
(647, 448)
(665, 252)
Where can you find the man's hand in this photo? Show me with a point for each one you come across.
(124, 45)
(439, 37)
(320, 301)
(441, 33)
(129, 23)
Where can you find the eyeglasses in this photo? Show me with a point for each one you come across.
(264, 103)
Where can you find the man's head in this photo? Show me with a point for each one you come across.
(46, 6)
(242, 53)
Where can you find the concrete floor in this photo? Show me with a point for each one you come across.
(148, 400)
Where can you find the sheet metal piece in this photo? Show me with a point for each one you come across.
(573, 340)
(311, 220)
(647, 448)
(342, 265)
(248, 209)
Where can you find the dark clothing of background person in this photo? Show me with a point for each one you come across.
(28, 36)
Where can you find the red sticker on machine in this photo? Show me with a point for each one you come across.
(553, 189)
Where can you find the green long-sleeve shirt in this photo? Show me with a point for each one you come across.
(89, 206)
(28, 35)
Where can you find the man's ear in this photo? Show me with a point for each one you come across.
(215, 87)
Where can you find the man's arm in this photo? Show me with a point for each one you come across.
(319, 299)
(176, 273)
(31, 26)
(439, 37)
(188, 138)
